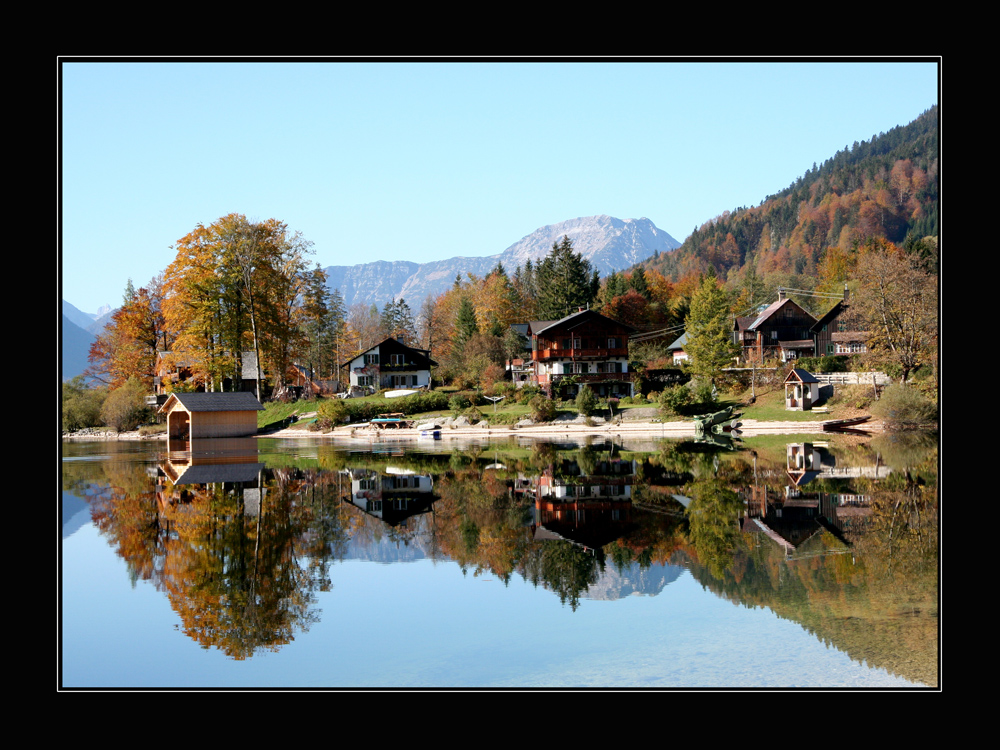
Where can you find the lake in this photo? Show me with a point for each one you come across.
(775, 562)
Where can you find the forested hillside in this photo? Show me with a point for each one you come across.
(886, 187)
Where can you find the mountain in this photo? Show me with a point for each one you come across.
(886, 187)
(75, 347)
(608, 243)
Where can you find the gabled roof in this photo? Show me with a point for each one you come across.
(771, 310)
(832, 313)
(424, 354)
(680, 342)
(575, 319)
(803, 376)
(242, 401)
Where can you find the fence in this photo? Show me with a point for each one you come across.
(853, 378)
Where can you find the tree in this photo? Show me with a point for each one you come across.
(898, 302)
(125, 407)
(709, 329)
(127, 346)
(564, 281)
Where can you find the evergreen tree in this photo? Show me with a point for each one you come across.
(709, 329)
(564, 281)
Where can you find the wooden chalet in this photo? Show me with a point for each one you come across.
(839, 331)
(782, 331)
(211, 415)
(583, 348)
(391, 364)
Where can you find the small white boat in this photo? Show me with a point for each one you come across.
(432, 434)
(397, 394)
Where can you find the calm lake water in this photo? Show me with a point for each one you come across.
(769, 562)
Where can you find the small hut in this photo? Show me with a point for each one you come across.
(211, 415)
(801, 390)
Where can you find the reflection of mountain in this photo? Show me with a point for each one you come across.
(75, 514)
(633, 581)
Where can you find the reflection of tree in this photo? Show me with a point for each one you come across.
(713, 518)
(565, 568)
(233, 576)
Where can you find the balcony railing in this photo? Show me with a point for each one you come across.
(540, 354)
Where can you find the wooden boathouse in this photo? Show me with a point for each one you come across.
(211, 415)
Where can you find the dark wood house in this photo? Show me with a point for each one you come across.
(583, 348)
(839, 331)
(783, 331)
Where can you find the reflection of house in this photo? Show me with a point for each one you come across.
(211, 415)
(391, 364)
(582, 348)
(782, 331)
(391, 497)
(801, 390)
(229, 463)
(840, 331)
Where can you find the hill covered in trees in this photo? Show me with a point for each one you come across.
(883, 188)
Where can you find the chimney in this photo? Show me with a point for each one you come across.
(781, 293)
(845, 292)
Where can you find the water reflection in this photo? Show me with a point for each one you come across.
(841, 538)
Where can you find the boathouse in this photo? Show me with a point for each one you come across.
(211, 415)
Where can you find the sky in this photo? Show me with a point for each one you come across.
(413, 160)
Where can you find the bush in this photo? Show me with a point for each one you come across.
(459, 403)
(542, 409)
(676, 400)
(904, 408)
(125, 407)
(81, 406)
(586, 401)
(332, 412)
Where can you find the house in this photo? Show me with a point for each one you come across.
(782, 331)
(391, 364)
(839, 331)
(801, 390)
(211, 415)
(582, 348)
(677, 349)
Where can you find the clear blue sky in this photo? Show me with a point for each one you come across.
(425, 161)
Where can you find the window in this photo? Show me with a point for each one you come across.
(371, 359)
(612, 343)
(365, 380)
(397, 359)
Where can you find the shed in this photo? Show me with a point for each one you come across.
(211, 415)
(801, 390)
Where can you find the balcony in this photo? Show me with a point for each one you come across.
(555, 353)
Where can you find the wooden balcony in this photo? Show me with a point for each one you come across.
(595, 377)
(540, 355)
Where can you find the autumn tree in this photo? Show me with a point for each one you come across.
(234, 285)
(898, 302)
(127, 346)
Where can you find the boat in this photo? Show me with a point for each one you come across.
(398, 393)
(833, 425)
(705, 421)
(432, 434)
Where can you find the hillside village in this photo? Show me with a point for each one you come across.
(851, 287)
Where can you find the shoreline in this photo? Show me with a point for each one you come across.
(748, 428)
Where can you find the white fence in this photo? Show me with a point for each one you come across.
(853, 378)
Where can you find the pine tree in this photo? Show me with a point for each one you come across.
(709, 329)
(564, 281)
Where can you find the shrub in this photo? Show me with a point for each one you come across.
(676, 400)
(459, 402)
(542, 409)
(81, 406)
(586, 401)
(904, 408)
(125, 407)
(332, 412)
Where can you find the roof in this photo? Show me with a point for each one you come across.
(241, 401)
(771, 310)
(397, 346)
(540, 326)
(680, 342)
(830, 315)
(801, 375)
